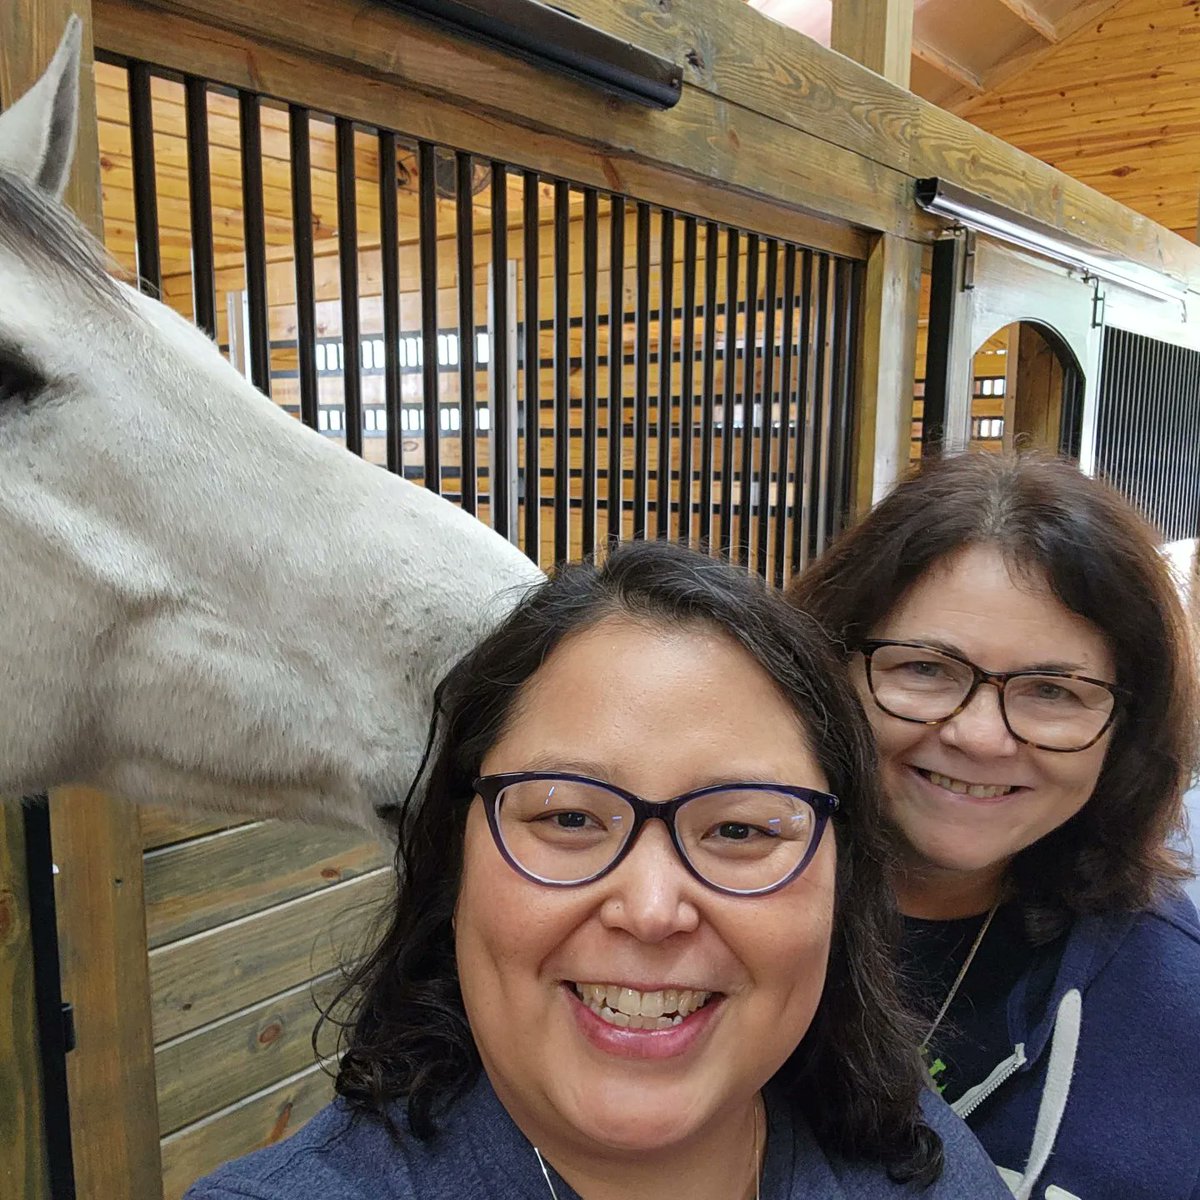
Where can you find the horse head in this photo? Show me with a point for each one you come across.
(202, 602)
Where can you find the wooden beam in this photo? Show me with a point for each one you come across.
(876, 33)
(102, 933)
(1037, 20)
(964, 102)
(939, 60)
(23, 1170)
(887, 367)
(1083, 15)
(718, 145)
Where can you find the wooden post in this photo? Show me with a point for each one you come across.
(96, 847)
(887, 367)
(105, 966)
(22, 1152)
(876, 33)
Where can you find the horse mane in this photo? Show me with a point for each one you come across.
(44, 233)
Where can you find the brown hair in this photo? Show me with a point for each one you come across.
(1100, 560)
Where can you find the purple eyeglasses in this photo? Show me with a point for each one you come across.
(742, 839)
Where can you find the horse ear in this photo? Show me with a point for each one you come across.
(37, 134)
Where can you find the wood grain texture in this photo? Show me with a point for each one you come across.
(244, 1053)
(102, 931)
(259, 1120)
(22, 1154)
(1037, 52)
(766, 112)
(215, 879)
(876, 33)
(754, 63)
(166, 826)
(1117, 105)
(205, 977)
(887, 368)
(379, 66)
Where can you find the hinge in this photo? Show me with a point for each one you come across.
(68, 1027)
(968, 267)
(1097, 305)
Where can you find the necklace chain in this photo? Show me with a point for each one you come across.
(962, 974)
(757, 1163)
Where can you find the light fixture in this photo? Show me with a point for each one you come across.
(982, 215)
(550, 37)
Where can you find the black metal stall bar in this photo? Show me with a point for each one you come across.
(347, 216)
(204, 285)
(302, 249)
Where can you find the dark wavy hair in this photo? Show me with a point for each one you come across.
(1099, 557)
(405, 1037)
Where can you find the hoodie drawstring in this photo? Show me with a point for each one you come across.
(1063, 1048)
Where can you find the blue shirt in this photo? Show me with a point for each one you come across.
(480, 1154)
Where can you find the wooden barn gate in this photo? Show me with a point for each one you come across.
(581, 318)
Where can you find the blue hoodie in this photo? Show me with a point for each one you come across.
(1100, 1099)
(481, 1155)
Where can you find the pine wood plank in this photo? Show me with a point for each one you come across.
(102, 932)
(165, 826)
(228, 874)
(215, 1067)
(203, 978)
(259, 1120)
(22, 1154)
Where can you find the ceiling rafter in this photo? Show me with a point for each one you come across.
(964, 100)
(1035, 18)
(939, 60)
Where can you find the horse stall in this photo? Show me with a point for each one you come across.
(580, 314)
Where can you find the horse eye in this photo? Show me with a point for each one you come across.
(18, 380)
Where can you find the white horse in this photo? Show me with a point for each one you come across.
(201, 601)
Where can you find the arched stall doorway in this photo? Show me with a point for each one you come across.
(1026, 391)
(1010, 349)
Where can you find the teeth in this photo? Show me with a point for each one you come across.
(960, 788)
(628, 1008)
(629, 1002)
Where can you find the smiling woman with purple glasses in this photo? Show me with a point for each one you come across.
(1021, 653)
(642, 940)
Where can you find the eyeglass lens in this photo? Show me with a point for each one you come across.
(1055, 711)
(568, 831)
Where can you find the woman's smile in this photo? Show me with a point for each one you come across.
(684, 1017)
(965, 788)
(634, 1008)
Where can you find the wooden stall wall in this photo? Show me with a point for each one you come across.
(249, 927)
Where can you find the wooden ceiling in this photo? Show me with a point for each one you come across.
(962, 48)
(1106, 90)
(1117, 106)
